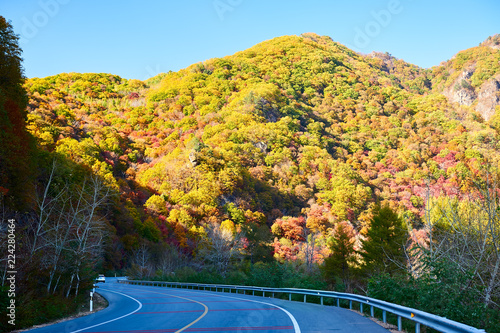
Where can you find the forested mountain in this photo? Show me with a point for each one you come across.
(297, 151)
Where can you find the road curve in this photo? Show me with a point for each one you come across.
(144, 309)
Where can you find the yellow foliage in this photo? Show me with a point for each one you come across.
(228, 225)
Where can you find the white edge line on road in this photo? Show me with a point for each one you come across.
(109, 321)
(292, 318)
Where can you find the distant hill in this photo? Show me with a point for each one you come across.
(297, 126)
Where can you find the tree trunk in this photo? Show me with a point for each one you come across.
(57, 283)
(491, 284)
(70, 284)
(51, 277)
(77, 283)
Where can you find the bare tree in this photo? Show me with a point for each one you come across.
(47, 206)
(220, 248)
(170, 260)
(88, 227)
(58, 242)
(142, 266)
(309, 248)
(467, 233)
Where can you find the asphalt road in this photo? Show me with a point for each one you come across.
(143, 309)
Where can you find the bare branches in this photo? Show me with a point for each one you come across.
(467, 233)
(220, 248)
(66, 231)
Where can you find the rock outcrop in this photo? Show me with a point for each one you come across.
(488, 97)
(461, 91)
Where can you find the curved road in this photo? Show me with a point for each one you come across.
(144, 309)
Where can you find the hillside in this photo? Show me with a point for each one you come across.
(278, 148)
(282, 125)
(471, 78)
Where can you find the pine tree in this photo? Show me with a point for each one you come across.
(339, 264)
(383, 247)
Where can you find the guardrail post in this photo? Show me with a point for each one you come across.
(253, 292)
(321, 300)
(263, 293)
(290, 296)
(305, 298)
(384, 316)
(91, 301)
(360, 307)
(371, 311)
(400, 323)
(417, 327)
(338, 302)
(273, 294)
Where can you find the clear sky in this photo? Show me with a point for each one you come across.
(139, 39)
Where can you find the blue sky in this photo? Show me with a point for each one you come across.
(139, 39)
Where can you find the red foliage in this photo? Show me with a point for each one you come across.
(285, 251)
(133, 95)
(290, 227)
(318, 218)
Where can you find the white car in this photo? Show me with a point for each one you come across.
(100, 278)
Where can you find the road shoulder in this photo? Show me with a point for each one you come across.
(100, 303)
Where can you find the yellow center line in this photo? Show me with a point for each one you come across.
(194, 321)
(188, 299)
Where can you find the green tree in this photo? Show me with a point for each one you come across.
(382, 250)
(258, 238)
(16, 144)
(340, 263)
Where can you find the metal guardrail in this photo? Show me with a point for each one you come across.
(418, 317)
